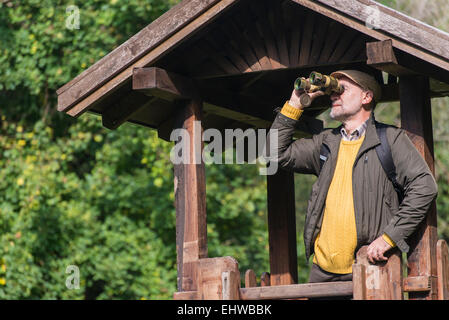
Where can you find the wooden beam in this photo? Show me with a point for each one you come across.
(303, 290)
(416, 119)
(417, 284)
(158, 82)
(218, 278)
(359, 281)
(383, 281)
(394, 23)
(282, 228)
(355, 21)
(381, 56)
(99, 82)
(190, 200)
(443, 270)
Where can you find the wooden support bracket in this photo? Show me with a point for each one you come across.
(381, 56)
(160, 83)
(121, 111)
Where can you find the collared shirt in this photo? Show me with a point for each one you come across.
(356, 134)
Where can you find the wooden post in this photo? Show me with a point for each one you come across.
(381, 281)
(443, 270)
(218, 279)
(190, 199)
(416, 119)
(282, 228)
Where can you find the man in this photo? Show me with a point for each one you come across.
(353, 203)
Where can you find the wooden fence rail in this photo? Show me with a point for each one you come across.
(308, 290)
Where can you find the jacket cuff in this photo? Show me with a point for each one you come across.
(291, 112)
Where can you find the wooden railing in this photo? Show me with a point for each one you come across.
(219, 278)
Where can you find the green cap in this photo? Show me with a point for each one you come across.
(364, 80)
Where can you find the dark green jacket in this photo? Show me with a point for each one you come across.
(376, 204)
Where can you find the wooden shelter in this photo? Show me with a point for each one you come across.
(229, 63)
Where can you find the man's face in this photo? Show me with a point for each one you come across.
(350, 102)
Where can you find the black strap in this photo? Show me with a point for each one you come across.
(324, 155)
(383, 151)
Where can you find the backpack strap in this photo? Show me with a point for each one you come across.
(324, 154)
(386, 160)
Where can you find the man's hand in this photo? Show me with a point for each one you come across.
(294, 99)
(377, 249)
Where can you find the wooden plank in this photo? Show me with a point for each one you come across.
(282, 228)
(218, 57)
(250, 279)
(230, 48)
(304, 290)
(416, 119)
(359, 281)
(296, 18)
(82, 94)
(210, 278)
(417, 284)
(258, 8)
(332, 38)
(245, 20)
(186, 295)
(396, 24)
(354, 51)
(319, 34)
(244, 48)
(277, 26)
(190, 200)
(230, 285)
(383, 280)
(443, 270)
(306, 38)
(344, 43)
(360, 26)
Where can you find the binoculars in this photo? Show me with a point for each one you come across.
(316, 81)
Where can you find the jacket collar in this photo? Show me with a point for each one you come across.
(333, 139)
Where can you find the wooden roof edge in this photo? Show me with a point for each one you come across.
(395, 23)
(143, 41)
(154, 35)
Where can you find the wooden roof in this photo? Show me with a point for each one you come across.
(243, 56)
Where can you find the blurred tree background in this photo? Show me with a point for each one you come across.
(75, 193)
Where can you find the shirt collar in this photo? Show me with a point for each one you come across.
(356, 134)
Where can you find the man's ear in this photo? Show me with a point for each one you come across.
(368, 98)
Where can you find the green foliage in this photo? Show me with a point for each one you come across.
(74, 193)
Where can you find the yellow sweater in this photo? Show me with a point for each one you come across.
(337, 240)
